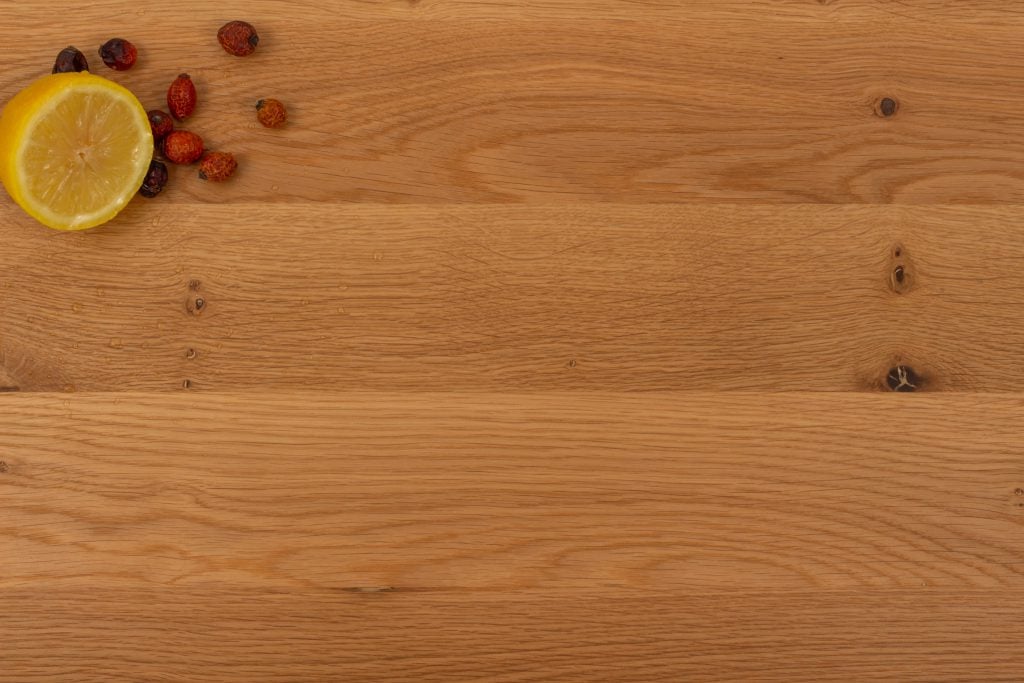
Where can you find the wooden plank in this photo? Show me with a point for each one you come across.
(625, 106)
(532, 537)
(687, 492)
(592, 296)
(24, 16)
(95, 634)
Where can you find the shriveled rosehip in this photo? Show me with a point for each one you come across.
(155, 179)
(238, 38)
(183, 147)
(161, 123)
(182, 97)
(217, 166)
(271, 113)
(69, 60)
(118, 54)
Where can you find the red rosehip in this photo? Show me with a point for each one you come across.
(182, 97)
(271, 113)
(118, 54)
(69, 60)
(161, 123)
(217, 167)
(183, 147)
(155, 179)
(238, 38)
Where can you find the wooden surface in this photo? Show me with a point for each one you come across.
(551, 341)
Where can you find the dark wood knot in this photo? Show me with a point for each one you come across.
(887, 107)
(903, 378)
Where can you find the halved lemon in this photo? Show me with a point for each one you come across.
(74, 149)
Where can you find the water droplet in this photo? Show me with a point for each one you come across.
(77, 308)
(116, 344)
(305, 302)
(275, 188)
(378, 257)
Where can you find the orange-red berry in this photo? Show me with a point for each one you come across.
(238, 38)
(217, 166)
(182, 97)
(118, 54)
(183, 147)
(271, 113)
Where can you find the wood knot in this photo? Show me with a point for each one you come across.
(194, 285)
(187, 384)
(1017, 491)
(195, 305)
(191, 354)
(903, 378)
(886, 107)
(899, 271)
(4, 468)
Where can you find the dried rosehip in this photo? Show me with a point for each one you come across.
(155, 179)
(271, 113)
(217, 166)
(181, 97)
(118, 54)
(69, 60)
(183, 147)
(161, 123)
(238, 38)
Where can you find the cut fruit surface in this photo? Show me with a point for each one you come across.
(74, 149)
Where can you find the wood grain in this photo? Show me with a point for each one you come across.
(583, 297)
(618, 104)
(550, 341)
(510, 537)
(169, 634)
(495, 491)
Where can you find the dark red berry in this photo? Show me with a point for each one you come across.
(271, 113)
(183, 147)
(182, 97)
(69, 60)
(217, 167)
(155, 179)
(238, 38)
(118, 53)
(161, 123)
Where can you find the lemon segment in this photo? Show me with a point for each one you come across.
(74, 149)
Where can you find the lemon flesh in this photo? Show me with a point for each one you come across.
(74, 149)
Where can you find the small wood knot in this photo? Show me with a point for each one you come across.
(1017, 491)
(195, 305)
(903, 378)
(900, 276)
(572, 363)
(194, 285)
(4, 468)
(191, 354)
(187, 384)
(887, 107)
